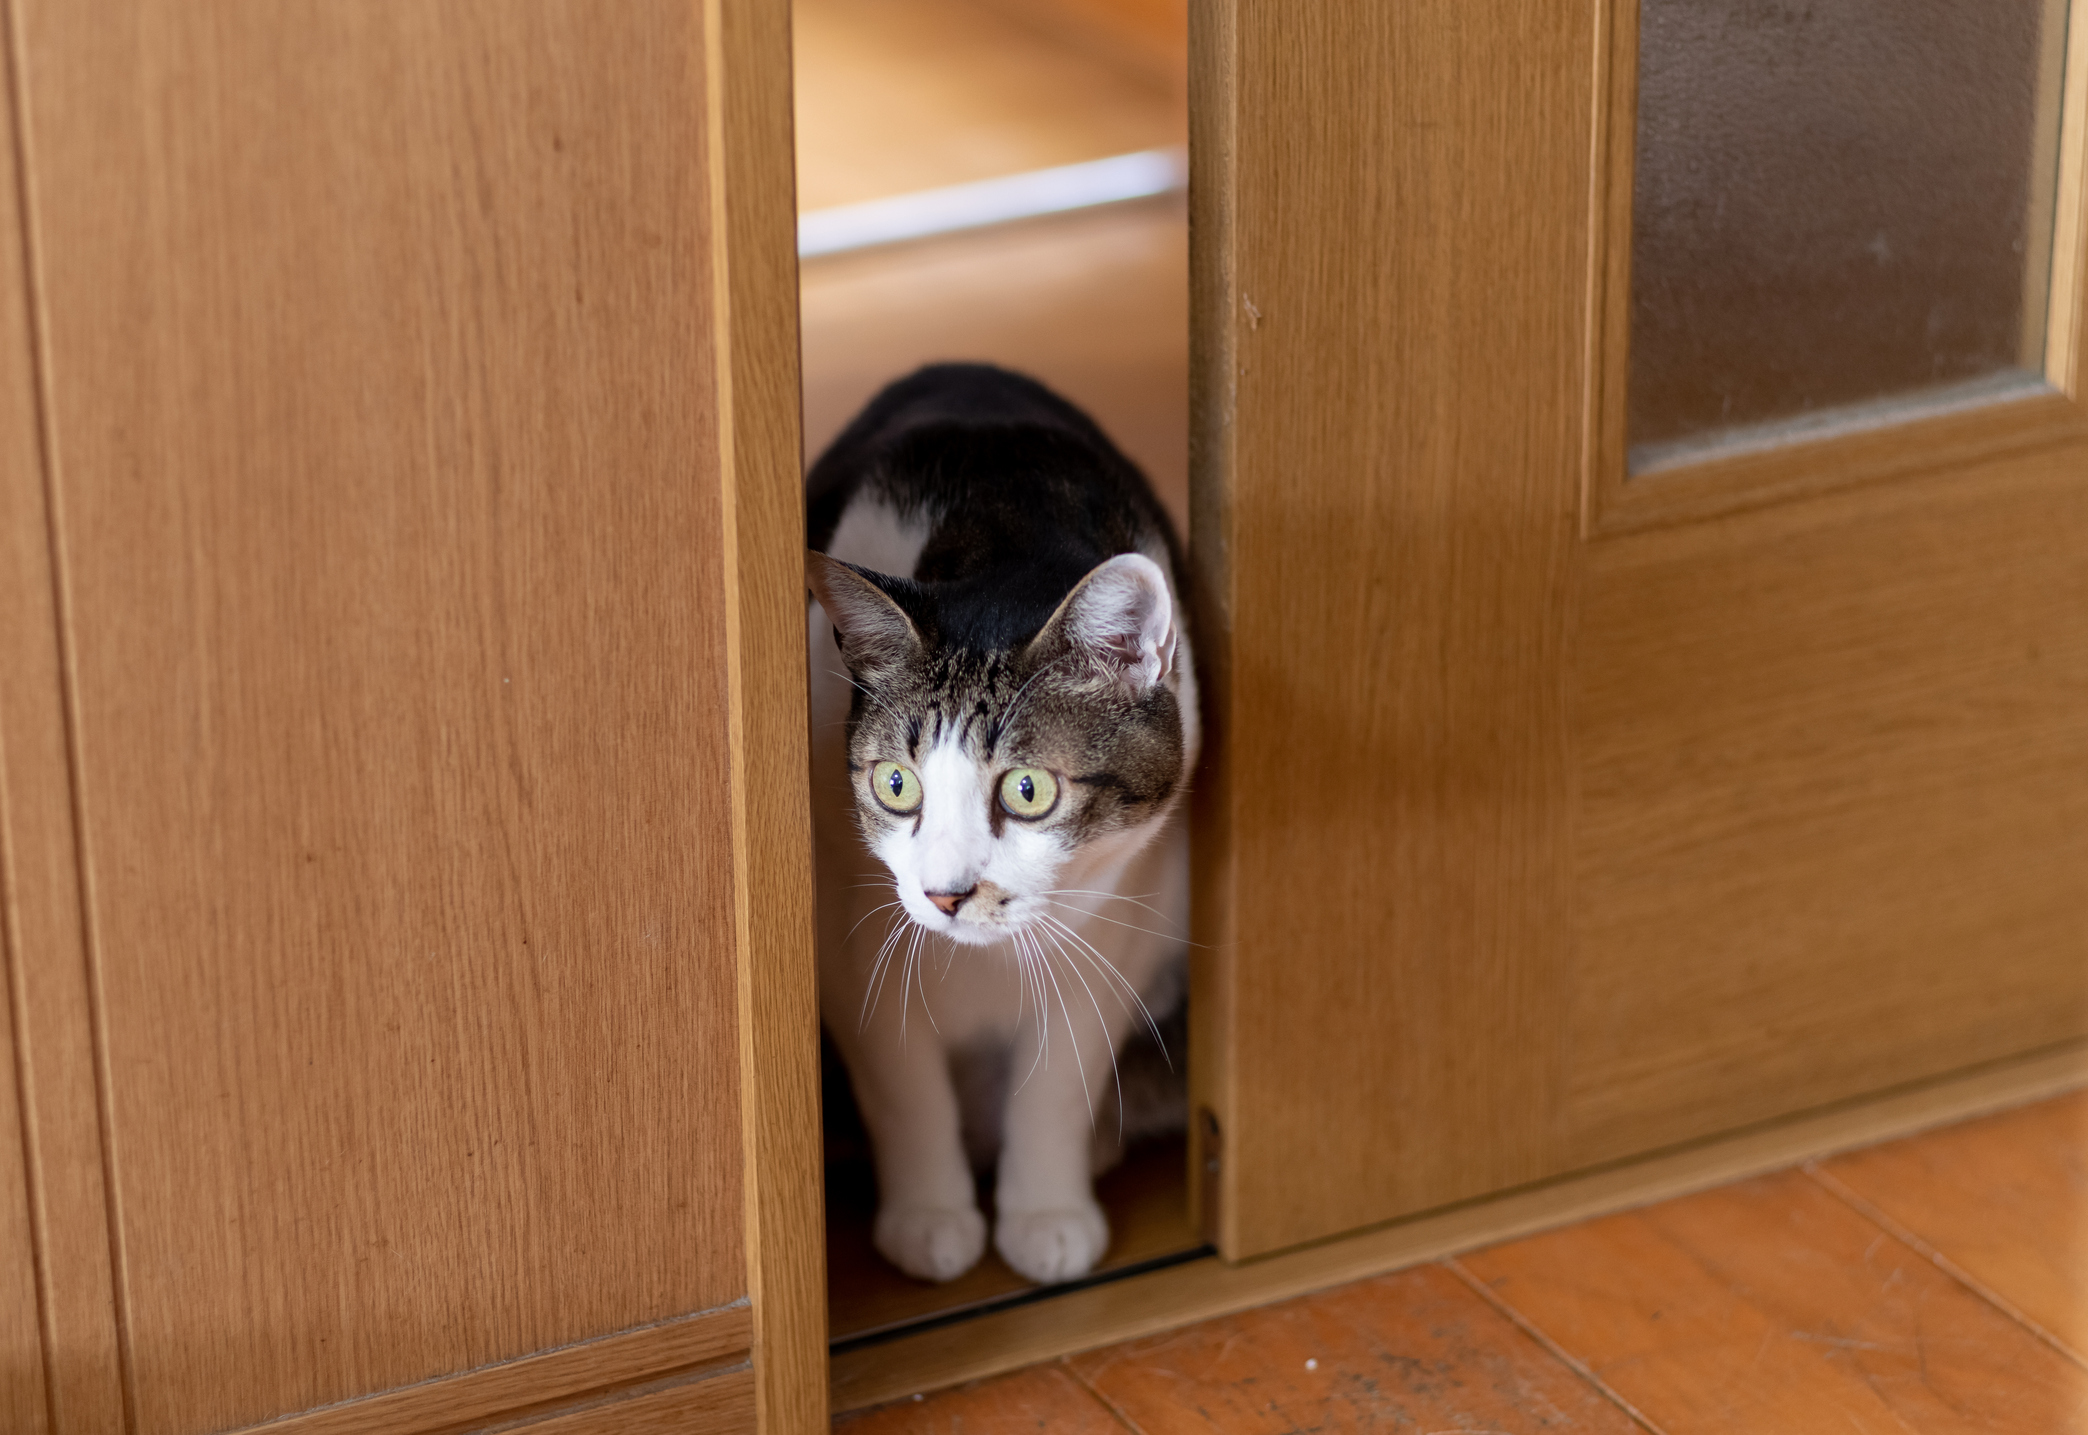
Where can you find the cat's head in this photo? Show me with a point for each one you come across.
(992, 778)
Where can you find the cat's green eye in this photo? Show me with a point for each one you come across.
(895, 787)
(1029, 792)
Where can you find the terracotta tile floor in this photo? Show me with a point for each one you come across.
(1934, 1284)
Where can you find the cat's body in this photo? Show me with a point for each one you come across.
(999, 771)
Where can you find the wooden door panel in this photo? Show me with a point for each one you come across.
(23, 1405)
(1391, 300)
(71, 1360)
(1833, 807)
(1551, 818)
(384, 443)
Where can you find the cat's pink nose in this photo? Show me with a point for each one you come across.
(948, 902)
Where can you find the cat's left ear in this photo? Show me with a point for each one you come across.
(1121, 617)
(873, 630)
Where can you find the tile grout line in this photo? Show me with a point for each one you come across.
(1528, 1327)
(1065, 1363)
(1834, 1186)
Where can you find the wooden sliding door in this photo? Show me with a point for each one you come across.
(1594, 772)
(407, 943)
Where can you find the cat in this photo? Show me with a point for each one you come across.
(1004, 720)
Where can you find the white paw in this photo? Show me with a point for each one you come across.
(929, 1243)
(1052, 1246)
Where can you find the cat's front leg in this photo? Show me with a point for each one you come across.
(1047, 1224)
(928, 1221)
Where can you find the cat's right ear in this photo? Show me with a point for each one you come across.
(874, 631)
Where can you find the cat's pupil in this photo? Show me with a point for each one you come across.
(897, 782)
(1028, 788)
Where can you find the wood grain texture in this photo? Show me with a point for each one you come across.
(1592, 845)
(1141, 1306)
(1912, 445)
(1042, 1399)
(1771, 1305)
(23, 541)
(721, 1404)
(900, 95)
(2046, 229)
(1149, 37)
(552, 1377)
(762, 543)
(380, 364)
(1394, 579)
(1416, 1351)
(73, 1363)
(2067, 322)
(24, 555)
(1834, 801)
(23, 1404)
(1213, 399)
(2003, 1201)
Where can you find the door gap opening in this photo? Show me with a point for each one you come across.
(915, 118)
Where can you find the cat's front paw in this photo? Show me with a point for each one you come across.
(930, 1243)
(1050, 1246)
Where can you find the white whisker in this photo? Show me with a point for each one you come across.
(1015, 703)
(921, 980)
(1129, 926)
(1079, 1066)
(1043, 1043)
(868, 915)
(913, 945)
(1117, 979)
(849, 678)
(1115, 1075)
(873, 989)
(1112, 981)
(1111, 897)
(1151, 1025)
(1021, 986)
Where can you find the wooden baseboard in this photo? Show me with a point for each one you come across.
(1143, 1305)
(707, 1403)
(593, 1371)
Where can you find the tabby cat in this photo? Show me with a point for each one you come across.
(1004, 721)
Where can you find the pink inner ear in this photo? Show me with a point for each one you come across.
(1126, 619)
(1123, 647)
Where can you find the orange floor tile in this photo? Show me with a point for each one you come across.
(1969, 1193)
(1418, 1350)
(1774, 1305)
(1935, 1284)
(1042, 1399)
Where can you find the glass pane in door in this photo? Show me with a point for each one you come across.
(1842, 212)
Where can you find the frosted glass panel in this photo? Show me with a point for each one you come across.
(1842, 209)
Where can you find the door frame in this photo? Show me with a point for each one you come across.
(760, 462)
